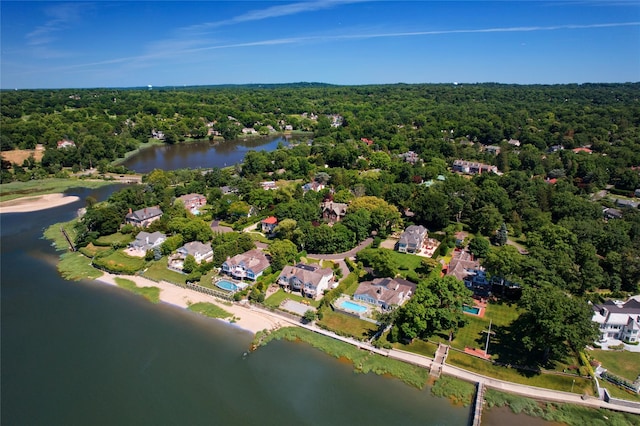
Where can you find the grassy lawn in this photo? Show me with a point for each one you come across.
(158, 271)
(209, 310)
(350, 284)
(13, 190)
(405, 261)
(419, 347)
(119, 262)
(117, 238)
(90, 250)
(278, 297)
(500, 315)
(152, 294)
(549, 381)
(347, 324)
(621, 363)
(74, 266)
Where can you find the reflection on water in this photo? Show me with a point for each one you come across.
(203, 154)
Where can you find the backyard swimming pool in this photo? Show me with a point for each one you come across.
(227, 285)
(468, 309)
(350, 306)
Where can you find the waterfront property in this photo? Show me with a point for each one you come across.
(468, 270)
(250, 265)
(200, 251)
(230, 286)
(387, 293)
(310, 280)
(143, 217)
(346, 305)
(618, 320)
(147, 241)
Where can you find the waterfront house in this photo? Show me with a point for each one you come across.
(143, 217)
(201, 252)
(250, 265)
(468, 270)
(310, 280)
(412, 239)
(192, 202)
(269, 224)
(333, 212)
(147, 241)
(387, 293)
(618, 320)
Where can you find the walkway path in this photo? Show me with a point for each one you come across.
(347, 254)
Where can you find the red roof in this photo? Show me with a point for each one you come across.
(582, 149)
(271, 220)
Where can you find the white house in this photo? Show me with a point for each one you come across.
(250, 264)
(412, 239)
(385, 292)
(147, 241)
(618, 320)
(310, 280)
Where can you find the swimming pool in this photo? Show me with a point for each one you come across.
(350, 306)
(227, 285)
(468, 309)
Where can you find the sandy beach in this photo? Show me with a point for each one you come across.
(245, 317)
(38, 202)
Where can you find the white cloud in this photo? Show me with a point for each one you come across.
(61, 16)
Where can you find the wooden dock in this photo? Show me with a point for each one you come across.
(72, 247)
(477, 407)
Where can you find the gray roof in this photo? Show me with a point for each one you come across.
(413, 235)
(253, 260)
(194, 248)
(390, 291)
(306, 275)
(145, 213)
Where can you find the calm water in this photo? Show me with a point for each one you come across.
(200, 154)
(78, 353)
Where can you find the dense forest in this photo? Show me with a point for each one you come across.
(563, 155)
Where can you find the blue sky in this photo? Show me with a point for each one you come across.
(164, 43)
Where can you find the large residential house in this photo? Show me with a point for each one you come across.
(269, 224)
(618, 320)
(466, 269)
(385, 292)
(333, 212)
(193, 202)
(412, 239)
(472, 167)
(200, 251)
(310, 280)
(143, 217)
(147, 241)
(250, 265)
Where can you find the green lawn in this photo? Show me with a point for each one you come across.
(618, 392)
(419, 347)
(117, 238)
(278, 297)
(119, 262)
(550, 381)
(209, 310)
(405, 261)
(152, 294)
(158, 271)
(621, 363)
(90, 250)
(348, 325)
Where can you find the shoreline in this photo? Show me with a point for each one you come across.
(244, 317)
(36, 203)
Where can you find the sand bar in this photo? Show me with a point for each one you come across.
(35, 203)
(245, 317)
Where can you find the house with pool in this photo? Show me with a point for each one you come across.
(387, 293)
(310, 280)
(192, 202)
(249, 265)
